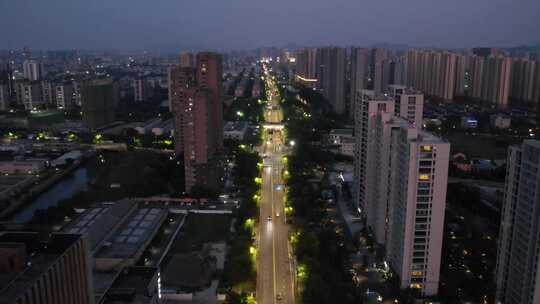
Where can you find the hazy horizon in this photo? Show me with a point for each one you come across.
(166, 25)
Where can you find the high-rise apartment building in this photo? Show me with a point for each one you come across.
(477, 72)
(32, 70)
(65, 95)
(523, 80)
(29, 94)
(196, 99)
(496, 80)
(401, 174)
(187, 60)
(416, 185)
(359, 75)
(142, 90)
(384, 75)
(209, 77)
(48, 93)
(331, 76)
(462, 74)
(366, 111)
(401, 102)
(307, 67)
(409, 104)
(99, 100)
(518, 257)
(432, 72)
(51, 271)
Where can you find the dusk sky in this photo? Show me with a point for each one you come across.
(234, 24)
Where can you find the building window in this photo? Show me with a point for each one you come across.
(426, 148)
(423, 177)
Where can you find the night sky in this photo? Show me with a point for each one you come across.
(235, 24)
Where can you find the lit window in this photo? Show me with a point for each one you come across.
(416, 286)
(423, 177)
(416, 273)
(426, 148)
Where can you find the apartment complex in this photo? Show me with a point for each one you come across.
(483, 74)
(306, 67)
(432, 72)
(324, 69)
(401, 174)
(518, 258)
(32, 70)
(196, 100)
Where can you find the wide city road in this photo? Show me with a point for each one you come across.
(275, 283)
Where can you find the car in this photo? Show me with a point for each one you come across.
(269, 218)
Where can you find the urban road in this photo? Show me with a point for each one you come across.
(275, 274)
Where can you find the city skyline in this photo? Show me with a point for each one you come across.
(244, 152)
(171, 25)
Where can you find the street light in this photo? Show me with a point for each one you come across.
(292, 143)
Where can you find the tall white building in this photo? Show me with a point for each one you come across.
(141, 89)
(518, 255)
(65, 96)
(369, 107)
(399, 101)
(401, 175)
(29, 94)
(409, 103)
(418, 177)
(359, 75)
(32, 70)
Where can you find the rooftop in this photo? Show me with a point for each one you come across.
(117, 230)
(42, 251)
(132, 286)
(341, 132)
(97, 222)
(133, 233)
(235, 126)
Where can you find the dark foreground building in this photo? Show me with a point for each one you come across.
(51, 270)
(99, 100)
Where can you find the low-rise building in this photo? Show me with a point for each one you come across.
(164, 128)
(22, 167)
(134, 285)
(346, 146)
(336, 136)
(147, 126)
(499, 121)
(235, 130)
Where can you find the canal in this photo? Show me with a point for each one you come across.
(77, 181)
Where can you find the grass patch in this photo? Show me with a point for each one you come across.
(200, 229)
